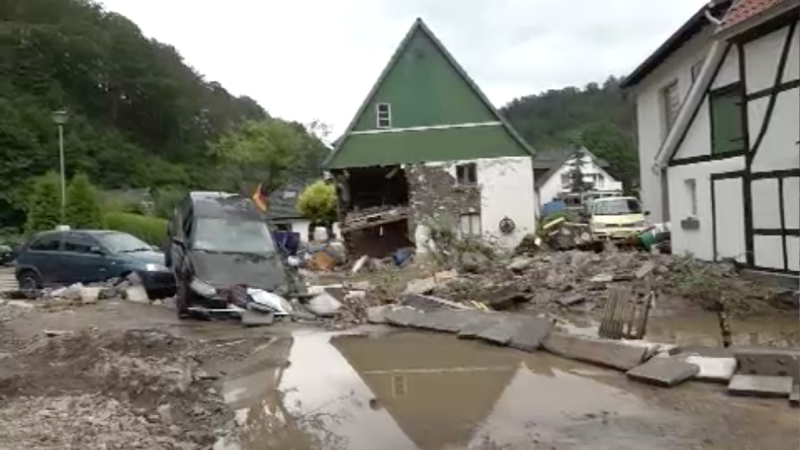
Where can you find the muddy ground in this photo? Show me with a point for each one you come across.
(119, 375)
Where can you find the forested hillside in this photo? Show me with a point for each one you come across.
(139, 116)
(598, 117)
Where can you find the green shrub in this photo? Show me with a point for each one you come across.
(83, 207)
(152, 230)
(44, 204)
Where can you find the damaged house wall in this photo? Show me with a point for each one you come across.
(475, 196)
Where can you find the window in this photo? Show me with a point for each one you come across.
(77, 243)
(691, 194)
(233, 235)
(124, 243)
(670, 103)
(616, 207)
(696, 68)
(727, 129)
(566, 180)
(470, 225)
(48, 243)
(467, 174)
(289, 194)
(383, 115)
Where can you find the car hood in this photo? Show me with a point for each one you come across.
(620, 220)
(145, 257)
(225, 270)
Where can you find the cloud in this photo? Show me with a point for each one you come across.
(317, 59)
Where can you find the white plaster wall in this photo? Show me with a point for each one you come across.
(553, 186)
(301, 226)
(768, 251)
(791, 201)
(698, 137)
(792, 71)
(779, 148)
(698, 242)
(729, 71)
(729, 221)
(761, 59)
(507, 190)
(649, 114)
(793, 252)
(766, 203)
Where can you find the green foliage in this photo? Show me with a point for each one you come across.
(83, 207)
(317, 202)
(600, 118)
(44, 204)
(166, 199)
(152, 230)
(576, 175)
(266, 152)
(138, 115)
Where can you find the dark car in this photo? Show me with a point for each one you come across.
(58, 258)
(217, 242)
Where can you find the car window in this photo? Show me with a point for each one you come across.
(616, 207)
(78, 243)
(117, 242)
(233, 235)
(48, 243)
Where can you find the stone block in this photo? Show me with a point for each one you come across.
(429, 303)
(502, 332)
(760, 386)
(401, 317)
(718, 370)
(448, 321)
(664, 372)
(531, 334)
(604, 352)
(794, 397)
(769, 362)
(478, 325)
(377, 314)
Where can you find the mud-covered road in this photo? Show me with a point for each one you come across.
(118, 375)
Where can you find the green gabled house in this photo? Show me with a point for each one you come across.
(426, 144)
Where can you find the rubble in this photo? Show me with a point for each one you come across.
(760, 386)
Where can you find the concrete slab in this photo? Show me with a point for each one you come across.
(794, 397)
(478, 325)
(599, 351)
(449, 321)
(716, 370)
(645, 270)
(429, 303)
(502, 332)
(377, 314)
(571, 300)
(664, 372)
(401, 317)
(769, 362)
(760, 386)
(530, 335)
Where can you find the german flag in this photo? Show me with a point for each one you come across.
(259, 198)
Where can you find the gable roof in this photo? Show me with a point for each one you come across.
(419, 26)
(743, 10)
(687, 31)
(554, 160)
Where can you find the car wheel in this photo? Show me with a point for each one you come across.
(182, 300)
(29, 282)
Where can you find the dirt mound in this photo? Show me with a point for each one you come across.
(133, 389)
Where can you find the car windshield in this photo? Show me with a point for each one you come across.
(616, 207)
(124, 243)
(233, 236)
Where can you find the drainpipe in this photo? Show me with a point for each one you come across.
(691, 102)
(708, 14)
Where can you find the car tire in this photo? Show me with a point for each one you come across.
(29, 281)
(182, 300)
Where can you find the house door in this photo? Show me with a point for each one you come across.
(727, 205)
(776, 220)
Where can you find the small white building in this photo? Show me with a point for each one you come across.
(553, 168)
(718, 113)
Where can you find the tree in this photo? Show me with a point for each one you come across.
(265, 152)
(83, 207)
(576, 176)
(44, 204)
(608, 142)
(317, 203)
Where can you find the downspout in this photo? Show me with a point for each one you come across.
(692, 101)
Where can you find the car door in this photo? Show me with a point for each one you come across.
(42, 255)
(84, 263)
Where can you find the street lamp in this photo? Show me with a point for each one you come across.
(60, 119)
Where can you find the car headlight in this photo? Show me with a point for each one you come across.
(202, 288)
(156, 268)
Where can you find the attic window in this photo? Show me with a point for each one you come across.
(383, 115)
(467, 174)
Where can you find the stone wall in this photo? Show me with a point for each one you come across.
(434, 195)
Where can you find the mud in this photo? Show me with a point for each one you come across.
(411, 390)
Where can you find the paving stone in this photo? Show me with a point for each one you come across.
(502, 332)
(604, 352)
(478, 325)
(769, 362)
(665, 372)
(794, 397)
(760, 386)
(531, 334)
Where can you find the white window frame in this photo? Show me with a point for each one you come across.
(470, 225)
(383, 119)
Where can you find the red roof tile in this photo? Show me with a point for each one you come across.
(743, 10)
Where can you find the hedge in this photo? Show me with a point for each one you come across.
(152, 230)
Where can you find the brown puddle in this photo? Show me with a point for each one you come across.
(406, 390)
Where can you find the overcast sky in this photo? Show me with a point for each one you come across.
(317, 59)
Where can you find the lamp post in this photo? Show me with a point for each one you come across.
(60, 119)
